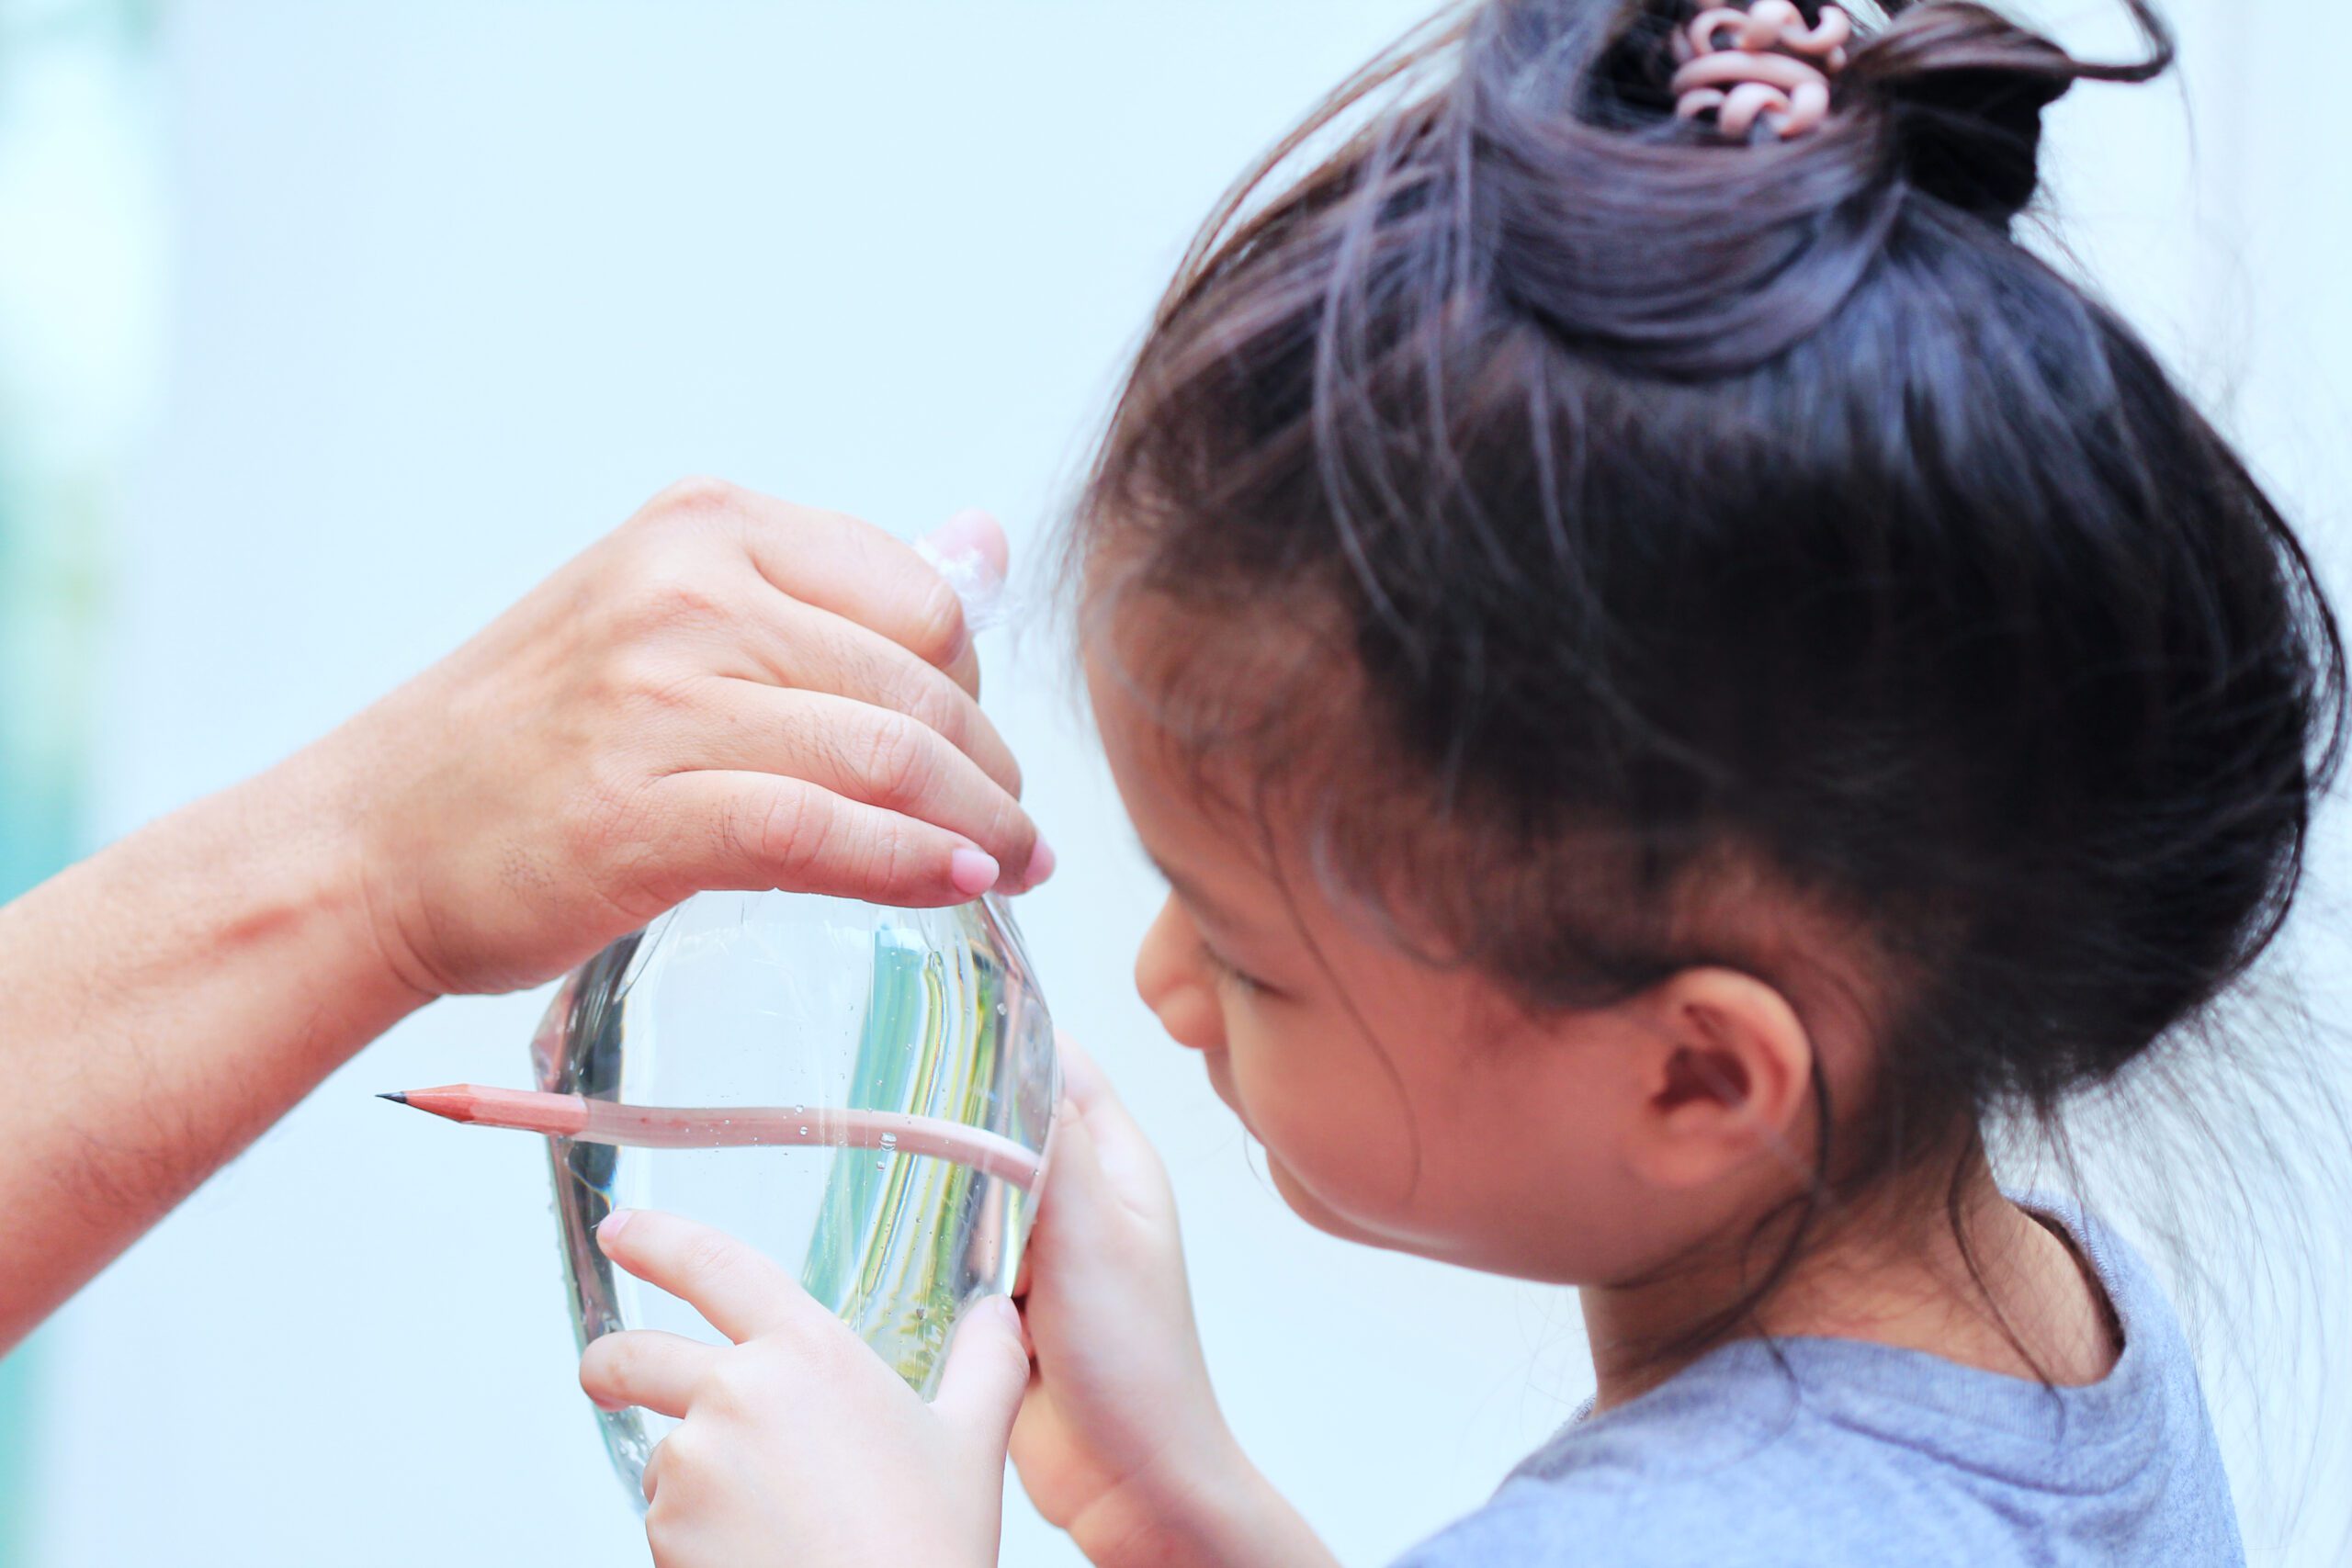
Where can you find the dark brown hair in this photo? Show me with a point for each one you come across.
(1660, 508)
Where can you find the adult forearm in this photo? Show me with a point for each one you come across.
(164, 1002)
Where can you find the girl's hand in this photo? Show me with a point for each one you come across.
(727, 692)
(799, 1445)
(1120, 1441)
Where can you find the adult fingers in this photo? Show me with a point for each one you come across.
(974, 539)
(752, 830)
(815, 650)
(856, 570)
(986, 1374)
(646, 1368)
(970, 551)
(739, 1291)
(871, 754)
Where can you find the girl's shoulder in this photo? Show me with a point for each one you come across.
(1833, 1451)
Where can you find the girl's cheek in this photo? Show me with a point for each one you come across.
(1334, 1124)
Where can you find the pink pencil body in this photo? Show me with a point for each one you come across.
(690, 1127)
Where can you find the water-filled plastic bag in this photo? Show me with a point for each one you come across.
(785, 1006)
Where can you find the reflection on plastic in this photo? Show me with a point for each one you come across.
(778, 999)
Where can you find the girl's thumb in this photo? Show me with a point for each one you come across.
(986, 1371)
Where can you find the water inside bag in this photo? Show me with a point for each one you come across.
(790, 1000)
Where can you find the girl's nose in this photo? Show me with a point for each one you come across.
(1173, 983)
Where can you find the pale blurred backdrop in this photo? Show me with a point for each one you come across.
(393, 307)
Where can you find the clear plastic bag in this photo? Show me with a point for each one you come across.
(797, 1004)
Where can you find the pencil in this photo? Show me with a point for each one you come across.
(688, 1127)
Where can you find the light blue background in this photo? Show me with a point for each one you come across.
(456, 285)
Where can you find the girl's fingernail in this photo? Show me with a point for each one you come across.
(610, 1225)
(973, 871)
(1041, 864)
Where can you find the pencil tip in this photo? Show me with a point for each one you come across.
(395, 1099)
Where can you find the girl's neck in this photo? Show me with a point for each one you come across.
(2030, 1308)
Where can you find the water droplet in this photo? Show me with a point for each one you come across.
(881, 1165)
(804, 1132)
(799, 1110)
(890, 1140)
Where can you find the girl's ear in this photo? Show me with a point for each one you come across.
(1724, 1076)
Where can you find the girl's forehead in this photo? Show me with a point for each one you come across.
(1204, 815)
(1245, 688)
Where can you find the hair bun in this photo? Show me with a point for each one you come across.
(1965, 88)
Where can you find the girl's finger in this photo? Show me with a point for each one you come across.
(1071, 1212)
(739, 1290)
(1082, 1080)
(986, 1374)
(650, 1481)
(1119, 1143)
(646, 1368)
(754, 831)
(862, 752)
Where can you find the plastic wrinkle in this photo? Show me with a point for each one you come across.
(987, 603)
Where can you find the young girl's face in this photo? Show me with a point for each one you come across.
(1399, 1104)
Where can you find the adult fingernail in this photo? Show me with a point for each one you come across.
(1041, 864)
(972, 535)
(611, 1225)
(973, 871)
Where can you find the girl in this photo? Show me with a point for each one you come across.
(1683, 683)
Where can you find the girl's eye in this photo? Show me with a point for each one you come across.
(1228, 974)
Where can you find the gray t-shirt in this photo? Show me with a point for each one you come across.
(1843, 1452)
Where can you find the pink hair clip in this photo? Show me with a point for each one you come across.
(1762, 63)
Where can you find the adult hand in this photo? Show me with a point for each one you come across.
(799, 1445)
(727, 692)
(1120, 1440)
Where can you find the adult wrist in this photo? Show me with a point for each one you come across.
(300, 856)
